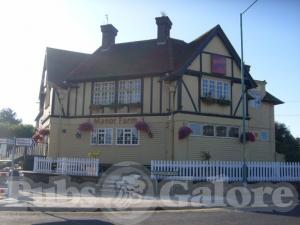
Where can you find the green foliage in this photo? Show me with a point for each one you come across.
(10, 126)
(9, 116)
(286, 143)
(205, 156)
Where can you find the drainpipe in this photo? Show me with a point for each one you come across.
(172, 93)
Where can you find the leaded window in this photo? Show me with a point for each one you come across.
(129, 91)
(104, 93)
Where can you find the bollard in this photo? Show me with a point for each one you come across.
(13, 184)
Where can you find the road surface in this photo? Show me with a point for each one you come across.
(173, 217)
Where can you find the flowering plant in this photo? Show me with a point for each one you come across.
(143, 126)
(44, 132)
(184, 132)
(37, 138)
(249, 137)
(86, 126)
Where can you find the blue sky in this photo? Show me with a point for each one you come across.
(271, 39)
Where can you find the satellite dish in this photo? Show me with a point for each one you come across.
(257, 98)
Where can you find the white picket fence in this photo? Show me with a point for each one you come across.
(224, 170)
(67, 166)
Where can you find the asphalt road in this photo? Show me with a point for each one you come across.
(175, 217)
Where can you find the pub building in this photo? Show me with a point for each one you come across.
(158, 99)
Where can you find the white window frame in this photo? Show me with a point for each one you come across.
(227, 131)
(124, 132)
(200, 127)
(239, 131)
(104, 93)
(129, 91)
(217, 89)
(106, 131)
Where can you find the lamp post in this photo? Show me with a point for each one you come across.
(244, 95)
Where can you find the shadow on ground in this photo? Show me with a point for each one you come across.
(76, 222)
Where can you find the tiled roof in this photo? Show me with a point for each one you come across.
(60, 63)
(272, 99)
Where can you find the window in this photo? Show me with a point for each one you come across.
(127, 136)
(264, 136)
(226, 91)
(211, 92)
(218, 64)
(234, 132)
(102, 136)
(218, 89)
(129, 91)
(196, 129)
(104, 93)
(208, 130)
(205, 88)
(221, 131)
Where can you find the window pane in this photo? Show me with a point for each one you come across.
(211, 88)
(120, 136)
(94, 137)
(219, 89)
(104, 93)
(135, 137)
(129, 91)
(208, 130)
(233, 132)
(221, 131)
(101, 133)
(108, 136)
(226, 91)
(196, 128)
(205, 88)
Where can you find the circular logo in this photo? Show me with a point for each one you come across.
(127, 188)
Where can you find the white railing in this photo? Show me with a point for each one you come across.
(224, 170)
(67, 166)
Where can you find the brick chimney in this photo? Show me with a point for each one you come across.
(109, 33)
(164, 25)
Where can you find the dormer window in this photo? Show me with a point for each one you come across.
(218, 64)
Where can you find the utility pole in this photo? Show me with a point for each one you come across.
(244, 95)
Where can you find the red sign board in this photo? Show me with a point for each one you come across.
(218, 64)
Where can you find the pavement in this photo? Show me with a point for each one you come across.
(41, 201)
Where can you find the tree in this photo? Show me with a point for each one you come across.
(10, 126)
(8, 116)
(286, 143)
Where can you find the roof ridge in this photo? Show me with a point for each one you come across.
(64, 50)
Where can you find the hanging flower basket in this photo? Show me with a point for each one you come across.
(44, 132)
(86, 127)
(38, 138)
(143, 126)
(249, 137)
(184, 132)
